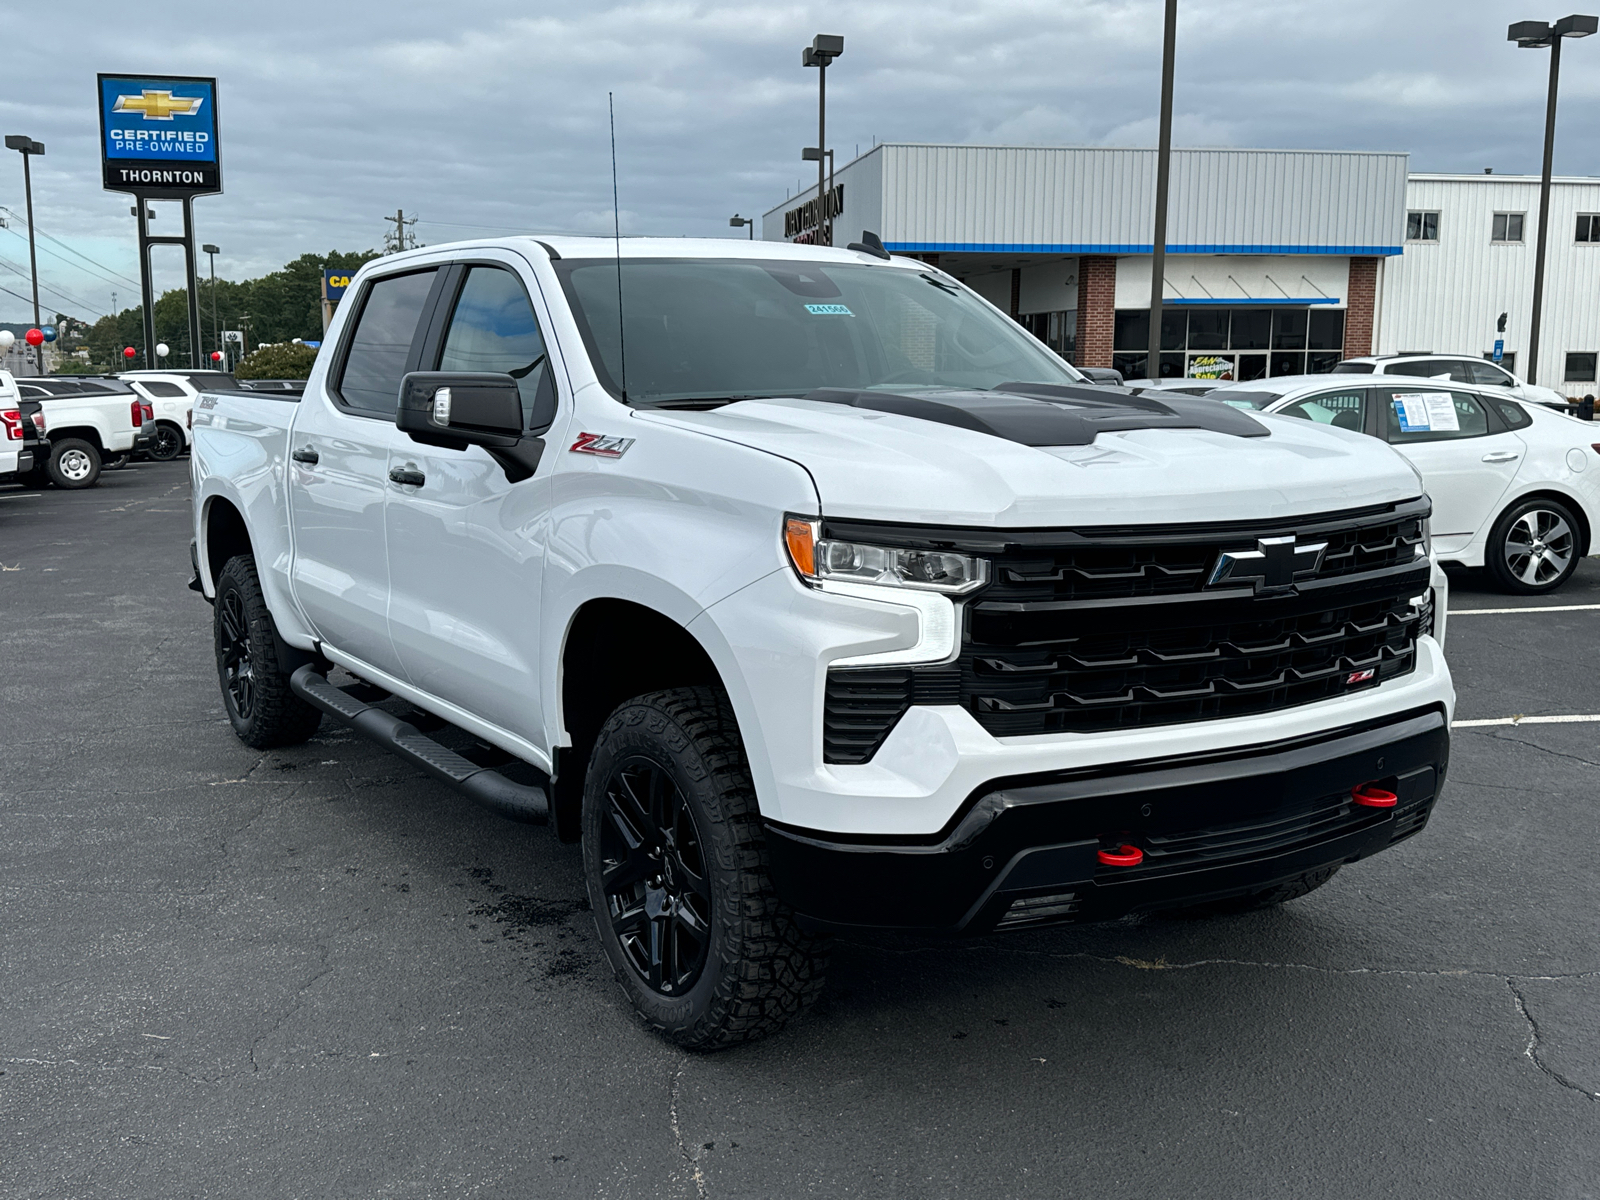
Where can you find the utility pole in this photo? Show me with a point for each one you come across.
(400, 239)
(213, 251)
(28, 148)
(1158, 246)
(823, 50)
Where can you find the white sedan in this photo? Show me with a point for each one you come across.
(1515, 487)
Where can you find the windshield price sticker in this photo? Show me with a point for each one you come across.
(829, 310)
(1426, 412)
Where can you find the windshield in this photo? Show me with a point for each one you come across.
(718, 329)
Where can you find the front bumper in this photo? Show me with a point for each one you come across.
(1210, 825)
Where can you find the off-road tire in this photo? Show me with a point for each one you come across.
(1496, 554)
(761, 969)
(274, 715)
(74, 463)
(1281, 893)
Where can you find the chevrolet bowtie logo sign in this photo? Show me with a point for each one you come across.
(1273, 566)
(159, 105)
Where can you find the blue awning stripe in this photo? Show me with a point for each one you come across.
(1111, 248)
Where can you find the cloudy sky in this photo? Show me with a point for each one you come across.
(491, 116)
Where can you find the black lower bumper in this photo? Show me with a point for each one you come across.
(1025, 851)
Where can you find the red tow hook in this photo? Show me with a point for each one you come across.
(1370, 795)
(1122, 856)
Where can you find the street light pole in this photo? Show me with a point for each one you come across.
(28, 147)
(824, 48)
(1533, 35)
(212, 251)
(736, 220)
(1158, 244)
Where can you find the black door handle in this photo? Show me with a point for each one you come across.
(306, 454)
(408, 475)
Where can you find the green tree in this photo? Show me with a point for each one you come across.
(286, 360)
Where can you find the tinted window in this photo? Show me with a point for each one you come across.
(1488, 373)
(1327, 329)
(1353, 368)
(1580, 368)
(493, 329)
(1430, 368)
(1343, 410)
(1512, 413)
(1418, 416)
(1246, 397)
(161, 389)
(381, 342)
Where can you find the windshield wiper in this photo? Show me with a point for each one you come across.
(700, 402)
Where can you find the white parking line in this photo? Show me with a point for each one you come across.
(1470, 612)
(1519, 720)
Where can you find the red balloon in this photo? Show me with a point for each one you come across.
(216, 356)
(128, 352)
(35, 337)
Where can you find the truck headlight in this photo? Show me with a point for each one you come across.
(818, 559)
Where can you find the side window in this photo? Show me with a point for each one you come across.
(1342, 410)
(1488, 373)
(1512, 413)
(1422, 368)
(1434, 416)
(381, 342)
(160, 389)
(493, 328)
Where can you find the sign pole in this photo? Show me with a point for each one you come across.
(146, 283)
(193, 285)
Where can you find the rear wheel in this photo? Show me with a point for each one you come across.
(1533, 547)
(675, 863)
(168, 443)
(261, 707)
(74, 463)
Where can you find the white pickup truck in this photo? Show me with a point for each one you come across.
(808, 591)
(92, 423)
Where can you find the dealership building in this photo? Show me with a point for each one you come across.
(1278, 261)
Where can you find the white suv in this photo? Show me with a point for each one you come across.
(1457, 368)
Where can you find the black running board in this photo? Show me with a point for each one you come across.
(484, 785)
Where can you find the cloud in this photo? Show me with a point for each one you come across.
(492, 115)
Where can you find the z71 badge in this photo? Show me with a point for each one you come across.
(601, 444)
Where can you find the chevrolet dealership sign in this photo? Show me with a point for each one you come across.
(158, 135)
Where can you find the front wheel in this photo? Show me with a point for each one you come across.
(1533, 547)
(675, 862)
(261, 707)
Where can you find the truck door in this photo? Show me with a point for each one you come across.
(338, 471)
(466, 546)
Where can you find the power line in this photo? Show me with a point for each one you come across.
(56, 292)
(53, 254)
(51, 237)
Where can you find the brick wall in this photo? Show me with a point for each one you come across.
(1361, 302)
(1097, 310)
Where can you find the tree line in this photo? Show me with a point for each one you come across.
(278, 307)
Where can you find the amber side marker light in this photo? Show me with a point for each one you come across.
(800, 536)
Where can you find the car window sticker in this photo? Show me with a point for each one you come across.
(1412, 409)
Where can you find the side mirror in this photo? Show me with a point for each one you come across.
(458, 409)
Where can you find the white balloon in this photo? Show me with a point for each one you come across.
(7, 339)
(162, 349)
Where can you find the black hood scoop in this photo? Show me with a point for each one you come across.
(1043, 414)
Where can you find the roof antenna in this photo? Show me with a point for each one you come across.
(616, 238)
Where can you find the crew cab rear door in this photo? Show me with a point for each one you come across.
(466, 546)
(340, 450)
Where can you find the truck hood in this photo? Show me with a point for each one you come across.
(887, 467)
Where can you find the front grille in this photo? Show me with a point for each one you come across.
(1115, 629)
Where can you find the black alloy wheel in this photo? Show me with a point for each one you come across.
(168, 443)
(654, 877)
(235, 663)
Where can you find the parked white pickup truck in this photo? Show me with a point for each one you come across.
(813, 592)
(91, 422)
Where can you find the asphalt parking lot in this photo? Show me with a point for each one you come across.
(314, 972)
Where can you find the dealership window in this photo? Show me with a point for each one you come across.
(1589, 227)
(1580, 368)
(1217, 342)
(1422, 227)
(1058, 330)
(1508, 360)
(1507, 227)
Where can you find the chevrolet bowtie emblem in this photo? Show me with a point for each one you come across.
(159, 105)
(1272, 566)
